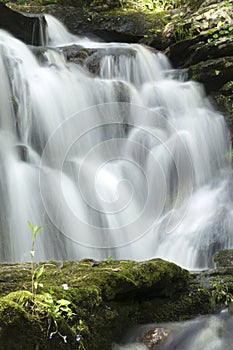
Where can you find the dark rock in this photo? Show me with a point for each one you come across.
(197, 49)
(223, 99)
(230, 309)
(111, 26)
(26, 28)
(154, 337)
(213, 73)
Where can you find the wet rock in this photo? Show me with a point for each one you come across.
(26, 28)
(223, 99)
(111, 26)
(93, 61)
(154, 337)
(213, 73)
(230, 309)
(107, 296)
(200, 48)
(224, 258)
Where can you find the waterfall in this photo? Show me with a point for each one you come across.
(119, 155)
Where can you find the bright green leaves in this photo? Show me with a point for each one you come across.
(55, 309)
(34, 229)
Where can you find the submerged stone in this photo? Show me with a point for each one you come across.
(153, 337)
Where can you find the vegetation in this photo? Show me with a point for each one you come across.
(54, 310)
(92, 302)
(150, 5)
(221, 293)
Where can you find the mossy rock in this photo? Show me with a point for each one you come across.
(224, 101)
(224, 258)
(214, 74)
(18, 328)
(108, 297)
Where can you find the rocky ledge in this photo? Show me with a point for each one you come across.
(105, 298)
(196, 35)
(89, 304)
(28, 28)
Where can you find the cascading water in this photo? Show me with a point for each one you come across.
(126, 159)
(207, 332)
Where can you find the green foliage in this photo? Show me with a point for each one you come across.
(109, 259)
(158, 4)
(36, 272)
(55, 310)
(222, 31)
(181, 31)
(220, 293)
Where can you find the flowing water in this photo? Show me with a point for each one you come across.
(203, 333)
(118, 156)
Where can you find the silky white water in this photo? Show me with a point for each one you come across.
(212, 332)
(126, 159)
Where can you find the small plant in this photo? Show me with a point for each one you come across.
(181, 32)
(55, 310)
(109, 259)
(220, 293)
(35, 272)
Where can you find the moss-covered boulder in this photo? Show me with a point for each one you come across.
(218, 281)
(105, 298)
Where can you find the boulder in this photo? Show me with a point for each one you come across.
(106, 298)
(28, 28)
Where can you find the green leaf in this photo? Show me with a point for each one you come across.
(32, 252)
(39, 272)
(63, 302)
(36, 229)
(30, 225)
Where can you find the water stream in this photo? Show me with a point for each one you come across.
(125, 159)
(203, 333)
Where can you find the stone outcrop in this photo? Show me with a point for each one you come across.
(26, 28)
(106, 297)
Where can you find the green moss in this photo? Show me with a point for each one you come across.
(107, 296)
(18, 328)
